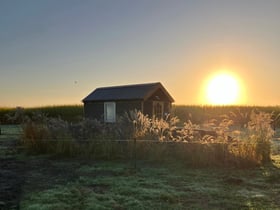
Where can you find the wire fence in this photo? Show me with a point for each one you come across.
(16, 131)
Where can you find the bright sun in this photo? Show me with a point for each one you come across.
(222, 89)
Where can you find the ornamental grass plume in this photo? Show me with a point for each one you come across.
(222, 128)
(134, 124)
(187, 133)
(162, 129)
(260, 134)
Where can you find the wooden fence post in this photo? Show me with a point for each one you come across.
(134, 142)
(135, 155)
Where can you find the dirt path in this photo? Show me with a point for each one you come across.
(12, 172)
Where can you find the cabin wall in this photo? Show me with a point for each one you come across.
(167, 107)
(125, 106)
(95, 110)
(148, 108)
(159, 95)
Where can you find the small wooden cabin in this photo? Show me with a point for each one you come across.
(106, 103)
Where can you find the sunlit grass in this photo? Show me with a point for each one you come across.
(200, 114)
(197, 114)
(155, 140)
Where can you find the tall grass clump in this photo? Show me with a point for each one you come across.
(215, 142)
(260, 134)
(140, 126)
(43, 134)
(239, 114)
(151, 134)
(253, 142)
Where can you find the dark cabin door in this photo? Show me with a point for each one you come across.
(158, 107)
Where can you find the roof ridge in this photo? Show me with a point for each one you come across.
(131, 85)
(126, 92)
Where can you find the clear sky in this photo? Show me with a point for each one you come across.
(56, 52)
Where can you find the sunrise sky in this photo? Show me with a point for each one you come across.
(57, 51)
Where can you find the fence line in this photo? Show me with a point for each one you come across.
(146, 140)
(275, 146)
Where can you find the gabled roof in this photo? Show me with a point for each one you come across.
(126, 92)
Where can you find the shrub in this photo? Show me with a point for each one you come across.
(260, 134)
(34, 136)
(17, 116)
(156, 139)
(187, 132)
(163, 129)
(135, 124)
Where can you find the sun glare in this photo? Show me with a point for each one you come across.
(222, 89)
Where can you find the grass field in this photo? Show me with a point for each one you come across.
(66, 112)
(77, 183)
(84, 184)
(50, 182)
(197, 114)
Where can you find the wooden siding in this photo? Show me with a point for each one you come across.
(148, 96)
(167, 107)
(95, 110)
(148, 108)
(125, 106)
(158, 96)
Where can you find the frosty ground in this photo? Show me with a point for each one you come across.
(49, 182)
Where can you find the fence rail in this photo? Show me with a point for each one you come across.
(16, 131)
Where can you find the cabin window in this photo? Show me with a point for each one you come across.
(109, 112)
(158, 109)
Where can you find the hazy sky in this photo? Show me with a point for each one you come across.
(57, 51)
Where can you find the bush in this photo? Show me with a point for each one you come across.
(260, 134)
(156, 139)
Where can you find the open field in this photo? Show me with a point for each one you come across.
(49, 182)
(66, 112)
(197, 114)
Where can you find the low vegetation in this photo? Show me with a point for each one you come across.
(144, 163)
(216, 142)
(47, 183)
(194, 113)
(69, 113)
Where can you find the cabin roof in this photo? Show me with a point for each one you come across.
(126, 92)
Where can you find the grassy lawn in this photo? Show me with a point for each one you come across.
(73, 183)
(9, 134)
(85, 184)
